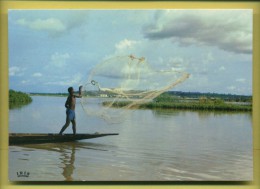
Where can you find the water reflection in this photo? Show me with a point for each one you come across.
(165, 112)
(67, 160)
(66, 153)
(202, 114)
(18, 106)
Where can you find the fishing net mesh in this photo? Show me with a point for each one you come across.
(120, 84)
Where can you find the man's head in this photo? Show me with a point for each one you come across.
(70, 90)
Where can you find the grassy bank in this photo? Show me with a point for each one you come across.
(187, 106)
(198, 106)
(18, 99)
(171, 102)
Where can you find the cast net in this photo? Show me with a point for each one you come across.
(121, 84)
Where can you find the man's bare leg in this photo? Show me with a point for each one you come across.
(74, 126)
(65, 126)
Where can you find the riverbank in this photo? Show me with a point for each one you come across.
(18, 99)
(198, 106)
(201, 104)
(183, 101)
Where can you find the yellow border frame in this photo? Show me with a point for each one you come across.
(10, 4)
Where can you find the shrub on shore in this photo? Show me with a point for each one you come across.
(17, 99)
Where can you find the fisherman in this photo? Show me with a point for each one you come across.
(70, 111)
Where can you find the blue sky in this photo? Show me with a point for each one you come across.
(50, 50)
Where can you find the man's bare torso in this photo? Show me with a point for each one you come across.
(71, 102)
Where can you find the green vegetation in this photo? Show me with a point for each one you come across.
(198, 106)
(168, 101)
(49, 94)
(197, 95)
(184, 101)
(18, 99)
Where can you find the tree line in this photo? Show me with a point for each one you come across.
(225, 97)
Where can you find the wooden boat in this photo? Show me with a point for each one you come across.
(38, 138)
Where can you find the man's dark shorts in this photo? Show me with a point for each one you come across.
(71, 114)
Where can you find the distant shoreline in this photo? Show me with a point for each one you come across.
(176, 94)
(215, 102)
(183, 101)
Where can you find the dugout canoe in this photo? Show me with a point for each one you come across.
(38, 138)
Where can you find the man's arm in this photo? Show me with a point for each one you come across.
(67, 103)
(79, 95)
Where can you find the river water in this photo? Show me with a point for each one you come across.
(152, 145)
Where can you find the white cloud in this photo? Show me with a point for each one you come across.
(241, 80)
(171, 63)
(16, 71)
(56, 24)
(246, 90)
(13, 70)
(125, 45)
(231, 88)
(229, 30)
(176, 60)
(51, 25)
(209, 58)
(59, 59)
(25, 81)
(75, 80)
(37, 74)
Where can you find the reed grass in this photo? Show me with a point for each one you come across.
(197, 106)
(209, 105)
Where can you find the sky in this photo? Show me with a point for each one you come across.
(51, 50)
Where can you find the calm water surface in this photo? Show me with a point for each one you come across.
(152, 145)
